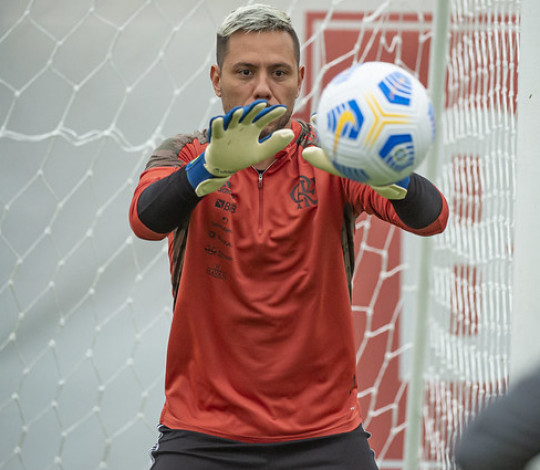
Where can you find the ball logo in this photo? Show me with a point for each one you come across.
(345, 120)
(397, 88)
(398, 152)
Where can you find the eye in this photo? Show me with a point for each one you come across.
(244, 72)
(281, 74)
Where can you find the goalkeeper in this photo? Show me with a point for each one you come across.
(261, 369)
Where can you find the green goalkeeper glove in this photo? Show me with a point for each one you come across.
(319, 159)
(234, 144)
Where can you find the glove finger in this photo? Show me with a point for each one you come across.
(396, 190)
(216, 128)
(392, 191)
(232, 117)
(253, 110)
(318, 158)
(266, 116)
(276, 142)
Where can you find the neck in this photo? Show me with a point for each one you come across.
(265, 163)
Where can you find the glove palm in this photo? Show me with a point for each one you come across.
(234, 144)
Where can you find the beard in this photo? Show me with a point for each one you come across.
(279, 123)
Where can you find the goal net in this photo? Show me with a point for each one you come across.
(469, 322)
(89, 88)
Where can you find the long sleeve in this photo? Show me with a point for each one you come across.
(423, 205)
(164, 199)
(166, 203)
(424, 211)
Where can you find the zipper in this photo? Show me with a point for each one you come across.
(260, 186)
(261, 173)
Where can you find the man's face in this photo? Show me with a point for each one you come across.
(259, 66)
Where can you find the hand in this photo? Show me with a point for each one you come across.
(234, 144)
(319, 159)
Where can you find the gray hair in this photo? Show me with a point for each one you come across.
(257, 17)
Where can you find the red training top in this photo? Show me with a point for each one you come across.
(261, 345)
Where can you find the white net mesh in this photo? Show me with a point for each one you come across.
(89, 88)
(468, 353)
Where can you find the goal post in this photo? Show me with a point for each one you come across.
(415, 396)
(469, 311)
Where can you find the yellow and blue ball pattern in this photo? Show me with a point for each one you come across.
(378, 123)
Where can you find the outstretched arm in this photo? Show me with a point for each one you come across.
(414, 203)
(163, 205)
(166, 196)
(422, 205)
(423, 211)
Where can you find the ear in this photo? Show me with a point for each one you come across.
(215, 77)
(301, 72)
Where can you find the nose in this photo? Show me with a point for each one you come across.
(262, 90)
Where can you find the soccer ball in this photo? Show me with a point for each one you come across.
(375, 122)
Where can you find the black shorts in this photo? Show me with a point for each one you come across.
(186, 450)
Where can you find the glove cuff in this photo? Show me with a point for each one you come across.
(196, 171)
